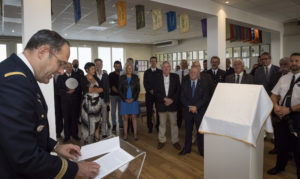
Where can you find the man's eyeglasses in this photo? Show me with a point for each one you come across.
(61, 63)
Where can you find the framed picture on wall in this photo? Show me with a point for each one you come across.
(142, 65)
(246, 63)
(165, 57)
(264, 48)
(195, 55)
(161, 57)
(184, 56)
(254, 51)
(170, 57)
(205, 54)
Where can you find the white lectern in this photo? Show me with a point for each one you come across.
(233, 128)
(117, 158)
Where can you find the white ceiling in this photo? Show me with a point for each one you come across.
(88, 29)
(278, 10)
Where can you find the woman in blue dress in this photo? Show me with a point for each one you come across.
(129, 89)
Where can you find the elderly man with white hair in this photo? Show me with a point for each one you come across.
(239, 76)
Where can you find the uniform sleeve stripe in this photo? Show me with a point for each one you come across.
(64, 166)
(14, 73)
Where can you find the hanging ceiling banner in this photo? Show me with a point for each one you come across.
(140, 16)
(77, 10)
(156, 19)
(122, 17)
(184, 23)
(101, 11)
(171, 20)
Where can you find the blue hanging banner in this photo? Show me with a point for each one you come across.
(204, 27)
(77, 10)
(171, 21)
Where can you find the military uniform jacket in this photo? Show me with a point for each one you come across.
(25, 144)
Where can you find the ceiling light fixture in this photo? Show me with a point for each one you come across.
(226, 2)
(112, 22)
(66, 34)
(13, 30)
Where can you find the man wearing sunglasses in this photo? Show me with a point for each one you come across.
(25, 144)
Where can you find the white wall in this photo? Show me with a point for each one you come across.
(291, 44)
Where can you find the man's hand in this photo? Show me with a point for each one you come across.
(114, 89)
(151, 92)
(284, 111)
(69, 151)
(168, 101)
(193, 109)
(88, 169)
(277, 110)
(70, 91)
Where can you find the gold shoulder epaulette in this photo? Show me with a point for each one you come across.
(14, 73)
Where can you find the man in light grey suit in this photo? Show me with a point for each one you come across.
(239, 76)
(262, 74)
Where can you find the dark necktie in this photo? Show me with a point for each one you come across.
(182, 74)
(237, 79)
(266, 71)
(193, 88)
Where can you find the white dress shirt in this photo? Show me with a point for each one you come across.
(283, 86)
(241, 76)
(167, 83)
(24, 59)
(99, 75)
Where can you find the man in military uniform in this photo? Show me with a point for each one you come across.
(25, 144)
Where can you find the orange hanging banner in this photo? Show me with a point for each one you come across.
(122, 17)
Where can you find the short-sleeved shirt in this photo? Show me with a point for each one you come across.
(283, 85)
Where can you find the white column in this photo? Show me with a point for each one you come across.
(276, 47)
(37, 16)
(216, 37)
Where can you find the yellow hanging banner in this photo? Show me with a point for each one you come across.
(156, 19)
(184, 23)
(122, 17)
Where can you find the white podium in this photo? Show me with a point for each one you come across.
(233, 128)
(117, 158)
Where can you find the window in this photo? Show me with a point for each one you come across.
(19, 48)
(104, 54)
(84, 56)
(117, 54)
(3, 54)
(109, 55)
(73, 54)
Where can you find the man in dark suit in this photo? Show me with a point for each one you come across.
(239, 76)
(205, 66)
(217, 74)
(58, 112)
(69, 102)
(167, 96)
(262, 74)
(229, 69)
(77, 74)
(255, 66)
(102, 78)
(149, 84)
(25, 144)
(194, 97)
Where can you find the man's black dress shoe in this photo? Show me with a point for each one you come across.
(183, 152)
(274, 171)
